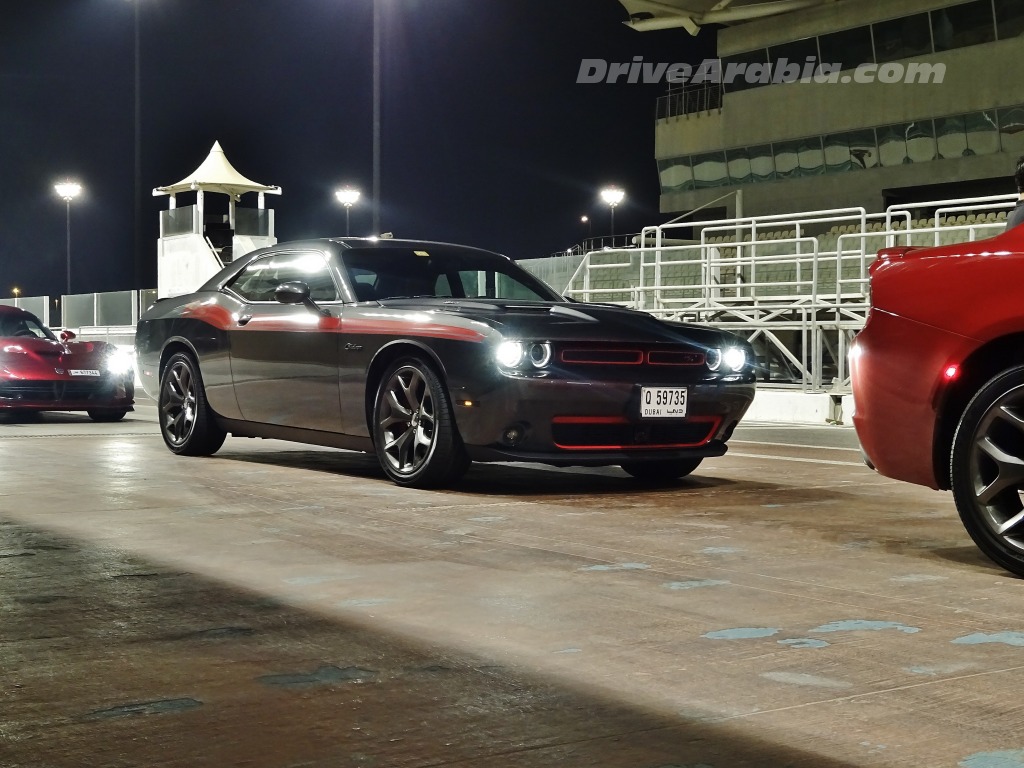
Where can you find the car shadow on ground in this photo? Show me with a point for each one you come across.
(488, 479)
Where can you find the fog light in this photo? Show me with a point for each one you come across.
(513, 435)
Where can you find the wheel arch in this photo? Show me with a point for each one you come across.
(387, 355)
(171, 348)
(976, 369)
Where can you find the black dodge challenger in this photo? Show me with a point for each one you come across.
(433, 356)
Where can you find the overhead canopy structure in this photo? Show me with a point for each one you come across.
(216, 174)
(646, 15)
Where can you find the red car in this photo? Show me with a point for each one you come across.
(938, 381)
(39, 372)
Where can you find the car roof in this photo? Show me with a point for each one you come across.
(7, 309)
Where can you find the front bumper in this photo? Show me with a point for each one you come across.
(65, 394)
(593, 423)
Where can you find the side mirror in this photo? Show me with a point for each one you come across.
(292, 293)
(67, 335)
(297, 292)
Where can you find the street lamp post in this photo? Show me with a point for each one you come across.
(347, 196)
(68, 191)
(612, 196)
(376, 116)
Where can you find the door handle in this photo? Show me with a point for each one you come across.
(243, 319)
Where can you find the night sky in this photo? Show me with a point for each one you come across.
(487, 139)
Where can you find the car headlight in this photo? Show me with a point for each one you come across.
(731, 359)
(713, 357)
(734, 358)
(518, 354)
(120, 362)
(510, 354)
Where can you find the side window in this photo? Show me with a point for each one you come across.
(260, 279)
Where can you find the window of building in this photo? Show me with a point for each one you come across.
(902, 38)
(1011, 130)
(803, 157)
(961, 25)
(850, 151)
(762, 163)
(921, 147)
(676, 174)
(951, 136)
(982, 133)
(789, 61)
(1009, 19)
(710, 170)
(738, 161)
(849, 48)
(892, 146)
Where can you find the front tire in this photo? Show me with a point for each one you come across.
(661, 471)
(414, 432)
(97, 414)
(987, 469)
(186, 421)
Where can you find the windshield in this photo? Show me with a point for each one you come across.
(23, 324)
(392, 273)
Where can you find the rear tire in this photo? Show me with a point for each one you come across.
(186, 421)
(414, 432)
(661, 471)
(986, 469)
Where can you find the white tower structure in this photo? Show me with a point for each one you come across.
(194, 245)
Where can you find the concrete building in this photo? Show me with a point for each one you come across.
(906, 101)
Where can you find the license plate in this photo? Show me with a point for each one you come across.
(663, 402)
(83, 372)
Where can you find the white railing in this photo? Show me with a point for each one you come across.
(796, 285)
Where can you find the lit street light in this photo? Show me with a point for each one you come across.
(590, 226)
(17, 292)
(347, 196)
(612, 196)
(68, 191)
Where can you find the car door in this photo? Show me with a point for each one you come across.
(284, 357)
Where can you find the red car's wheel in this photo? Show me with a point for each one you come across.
(987, 469)
(186, 421)
(414, 430)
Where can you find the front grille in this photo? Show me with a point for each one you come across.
(56, 391)
(582, 433)
(648, 355)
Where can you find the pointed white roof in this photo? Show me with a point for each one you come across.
(216, 174)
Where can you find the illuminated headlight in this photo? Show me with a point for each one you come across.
(734, 358)
(120, 362)
(510, 354)
(518, 354)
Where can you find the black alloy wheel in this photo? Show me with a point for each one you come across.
(186, 421)
(661, 471)
(987, 469)
(414, 430)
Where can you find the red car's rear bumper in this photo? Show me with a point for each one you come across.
(898, 369)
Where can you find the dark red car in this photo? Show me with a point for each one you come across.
(938, 381)
(39, 372)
